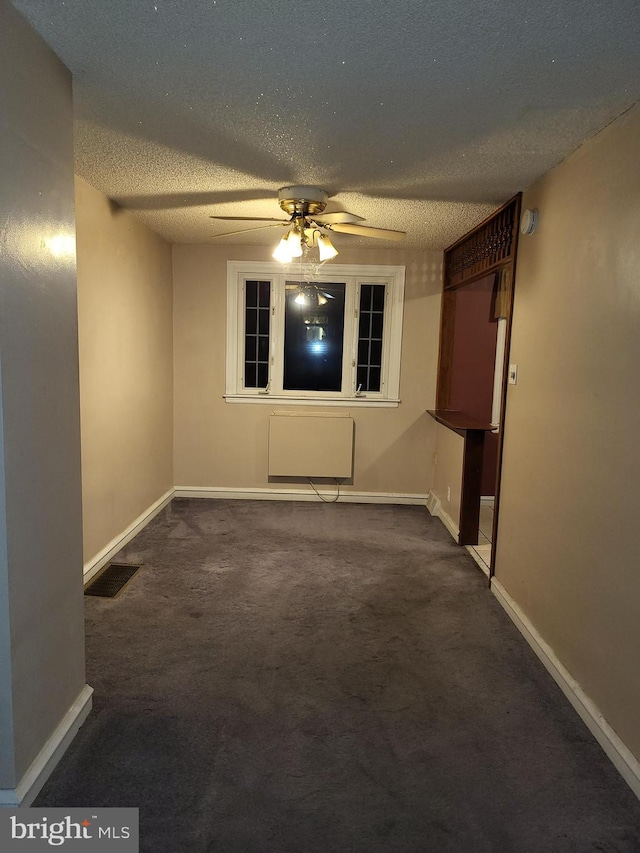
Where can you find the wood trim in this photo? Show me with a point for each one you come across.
(505, 387)
(516, 198)
(458, 421)
(486, 248)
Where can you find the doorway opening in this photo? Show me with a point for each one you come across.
(474, 336)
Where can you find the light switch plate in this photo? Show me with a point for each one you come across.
(513, 374)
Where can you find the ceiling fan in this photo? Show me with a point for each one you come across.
(307, 224)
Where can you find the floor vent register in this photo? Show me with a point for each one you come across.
(112, 580)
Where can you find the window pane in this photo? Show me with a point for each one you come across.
(251, 288)
(263, 321)
(363, 351)
(376, 324)
(256, 333)
(250, 353)
(375, 353)
(374, 379)
(313, 336)
(265, 293)
(370, 337)
(378, 298)
(263, 348)
(365, 297)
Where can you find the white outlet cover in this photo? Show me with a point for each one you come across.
(513, 374)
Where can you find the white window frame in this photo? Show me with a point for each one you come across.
(353, 276)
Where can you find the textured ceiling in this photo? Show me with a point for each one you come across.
(415, 114)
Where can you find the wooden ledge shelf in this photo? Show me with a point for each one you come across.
(473, 432)
(458, 421)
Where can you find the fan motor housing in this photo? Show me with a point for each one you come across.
(302, 200)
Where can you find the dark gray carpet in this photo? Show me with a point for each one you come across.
(307, 678)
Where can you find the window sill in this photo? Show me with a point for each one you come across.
(361, 401)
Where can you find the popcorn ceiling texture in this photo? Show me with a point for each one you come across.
(414, 114)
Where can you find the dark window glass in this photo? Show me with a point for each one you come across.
(375, 353)
(265, 293)
(313, 336)
(370, 329)
(263, 321)
(256, 333)
(374, 379)
(378, 298)
(252, 294)
(263, 348)
(251, 324)
(376, 324)
(250, 353)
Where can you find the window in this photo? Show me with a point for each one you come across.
(370, 331)
(313, 337)
(257, 319)
(326, 341)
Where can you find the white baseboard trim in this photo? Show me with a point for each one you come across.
(624, 761)
(33, 780)
(471, 551)
(281, 494)
(109, 551)
(434, 505)
(450, 524)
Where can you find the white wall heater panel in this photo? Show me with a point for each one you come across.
(301, 446)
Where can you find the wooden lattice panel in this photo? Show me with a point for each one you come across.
(487, 247)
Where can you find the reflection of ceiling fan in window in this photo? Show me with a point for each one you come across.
(307, 224)
(308, 292)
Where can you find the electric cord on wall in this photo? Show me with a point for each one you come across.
(325, 500)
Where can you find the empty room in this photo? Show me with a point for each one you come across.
(318, 413)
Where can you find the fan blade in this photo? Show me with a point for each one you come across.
(243, 231)
(366, 231)
(250, 218)
(339, 216)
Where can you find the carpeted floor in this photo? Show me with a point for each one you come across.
(310, 678)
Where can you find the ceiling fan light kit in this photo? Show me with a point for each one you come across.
(305, 206)
(326, 249)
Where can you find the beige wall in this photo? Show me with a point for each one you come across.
(126, 366)
(225, 444)
(41, 606)
(567, 548)
(447, 483)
